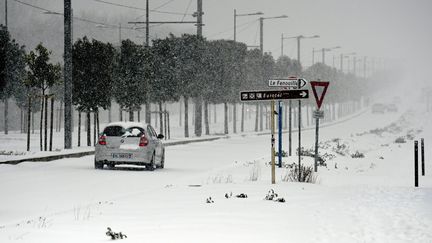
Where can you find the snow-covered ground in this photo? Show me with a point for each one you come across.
(370, 199)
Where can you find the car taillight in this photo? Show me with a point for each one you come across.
(143, 141)
(102, 140)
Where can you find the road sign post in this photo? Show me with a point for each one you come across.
(273, 95)
(273, 169)
(318, 113)
(280, 115)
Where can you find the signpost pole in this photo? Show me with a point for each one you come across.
(280, 134)
(273, 172)
(299, 139)
(289, 128)
(316, 143)
(318, 113)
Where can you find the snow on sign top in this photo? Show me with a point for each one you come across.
(319, 89)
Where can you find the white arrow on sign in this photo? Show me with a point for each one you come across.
(297, 83)
(303, 94)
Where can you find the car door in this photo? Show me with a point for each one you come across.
(152, 141)
(158, 145)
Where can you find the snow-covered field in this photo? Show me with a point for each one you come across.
(370, 199)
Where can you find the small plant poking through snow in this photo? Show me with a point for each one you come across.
(357, 154)
(255, 171)
(321, 157)
(115, 235)
(283, 153)
(209, 200)
(219, 179)
(307, 175)
(400, 140)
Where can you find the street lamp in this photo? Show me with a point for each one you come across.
(235, 39)
(299, 37)
(345, 55)
(240, 15)
(298, 42)
(327, 49)
(262, 29)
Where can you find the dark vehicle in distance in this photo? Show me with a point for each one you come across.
(378, 108)
(392, 108)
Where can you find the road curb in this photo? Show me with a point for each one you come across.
(168, 144)
(86, 153)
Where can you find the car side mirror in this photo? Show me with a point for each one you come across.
(160, 136)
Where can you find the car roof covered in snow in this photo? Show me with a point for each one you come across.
(127, 124)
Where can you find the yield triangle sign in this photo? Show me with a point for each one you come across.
(319, 89)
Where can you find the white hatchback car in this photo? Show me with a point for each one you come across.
(129, 143)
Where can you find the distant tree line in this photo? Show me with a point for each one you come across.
(133, 75)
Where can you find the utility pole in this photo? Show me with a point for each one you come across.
(323, 55)
(198, 99)
(147, 41)
(147, 103)
(120, 37)
(261, 35)
(364, 66)
(68, 74)
(235, 25)
(6, 17)
(313, 56)
(199, 18)
(298, 47)
(355, 65)
(282, 39)
(6, 102)
(147, 27)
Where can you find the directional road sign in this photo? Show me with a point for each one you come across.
(274, 95)
(287, 83)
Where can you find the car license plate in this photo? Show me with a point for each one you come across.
(122, 156)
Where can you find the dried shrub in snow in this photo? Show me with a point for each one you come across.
(283, 153)
(321, 157)
(307, 175)
(255, 171)
(219, 179)
(357, 154)
(400, 140)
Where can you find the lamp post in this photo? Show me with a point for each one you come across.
(324, 50)
(342, 56)
(240, 15)
(298, 38)
(262, 29)
(235, 39)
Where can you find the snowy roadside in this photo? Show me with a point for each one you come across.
(355, 199)
(9, 154)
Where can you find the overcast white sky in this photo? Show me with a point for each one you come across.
(394, 29)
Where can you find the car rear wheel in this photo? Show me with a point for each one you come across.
(162, 165)
(152, 165)
(98, 165)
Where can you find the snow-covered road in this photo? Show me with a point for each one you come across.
(370, 199)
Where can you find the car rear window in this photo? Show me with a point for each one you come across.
(118, 131)
(114, 131)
